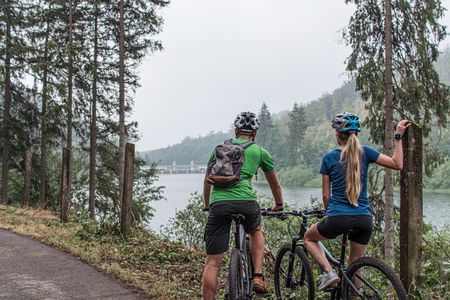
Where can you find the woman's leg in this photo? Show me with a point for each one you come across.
(356, 251)
(312, 236)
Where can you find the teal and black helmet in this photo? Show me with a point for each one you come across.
(346, 122)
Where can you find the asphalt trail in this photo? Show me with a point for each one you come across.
(30, 270)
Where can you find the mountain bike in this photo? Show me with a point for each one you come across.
(366, 278)
(239, 285)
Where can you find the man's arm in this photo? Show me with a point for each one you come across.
(275, 187)
(206, 191)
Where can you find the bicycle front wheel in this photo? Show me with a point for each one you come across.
(235, 280)
(373, 279)
(293, 276)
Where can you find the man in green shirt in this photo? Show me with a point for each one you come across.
(239, 198)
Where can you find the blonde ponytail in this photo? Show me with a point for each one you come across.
(350, 158)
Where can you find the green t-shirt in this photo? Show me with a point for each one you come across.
(255, 157)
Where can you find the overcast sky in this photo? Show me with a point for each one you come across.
(223, 57)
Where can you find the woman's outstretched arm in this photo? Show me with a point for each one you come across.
(396, 161)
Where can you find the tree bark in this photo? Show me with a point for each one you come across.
(69, 104)
(122, 133)
(43, 168)
(388, 140)
(411, 210)
(27, 178)
(125, 225)
(7, 109)
(93, 141)
(65, 203)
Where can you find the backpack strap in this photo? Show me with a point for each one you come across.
(227, 142)
(246, 144)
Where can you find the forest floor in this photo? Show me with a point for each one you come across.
(160, 268)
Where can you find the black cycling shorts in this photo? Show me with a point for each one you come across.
(217, 231)
(359, 228)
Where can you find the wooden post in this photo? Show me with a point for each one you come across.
(65, 202)
(127, 194)
(27, 178)
(411, 209)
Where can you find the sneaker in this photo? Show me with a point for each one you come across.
(329, 280)
(259, 285)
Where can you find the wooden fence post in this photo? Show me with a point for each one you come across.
(127, 194)
(65, 203)
(411, 209)
(27, 178)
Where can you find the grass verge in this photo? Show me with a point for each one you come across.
(161, 268)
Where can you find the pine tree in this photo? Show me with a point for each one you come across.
(266, 125)
(297, 126)
(417, 93)
(93, 125)
(13, 57)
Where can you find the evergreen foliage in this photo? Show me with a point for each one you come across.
(419, 94)
(297, 125)
(34, 85)
(264, 132)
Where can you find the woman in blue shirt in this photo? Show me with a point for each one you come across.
(344, 188)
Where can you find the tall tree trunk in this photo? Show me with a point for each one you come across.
(69, 107)
(7, 109)
(43, 168)
(93, 144)
(122, 134)
(388, 141)
(27, 178)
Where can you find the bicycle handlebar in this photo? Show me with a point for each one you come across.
(317, 212)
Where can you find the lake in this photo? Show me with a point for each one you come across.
(180, 186)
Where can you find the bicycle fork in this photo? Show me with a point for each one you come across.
(291, 283)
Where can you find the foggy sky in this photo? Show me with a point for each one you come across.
(224, 57)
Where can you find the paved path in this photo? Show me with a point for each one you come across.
(31, 270)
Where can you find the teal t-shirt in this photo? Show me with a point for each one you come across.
(254, 157)
(339, 205)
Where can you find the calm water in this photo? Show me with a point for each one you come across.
(180, 186)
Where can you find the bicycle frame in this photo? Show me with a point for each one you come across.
(339, 265)
(241, 240)
(239, 236)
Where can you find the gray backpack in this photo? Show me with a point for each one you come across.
(225, 169)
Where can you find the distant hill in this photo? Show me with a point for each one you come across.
(196, 149)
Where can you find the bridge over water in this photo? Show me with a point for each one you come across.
(192, 168)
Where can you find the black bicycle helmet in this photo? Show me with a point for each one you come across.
(246, 122)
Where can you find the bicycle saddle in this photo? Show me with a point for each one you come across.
(238, 218)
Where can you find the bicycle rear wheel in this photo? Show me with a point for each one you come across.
(293, 280)
(248, 286)
(374, 279)
(235, 280)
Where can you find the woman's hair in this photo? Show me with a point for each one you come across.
(350, 158)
